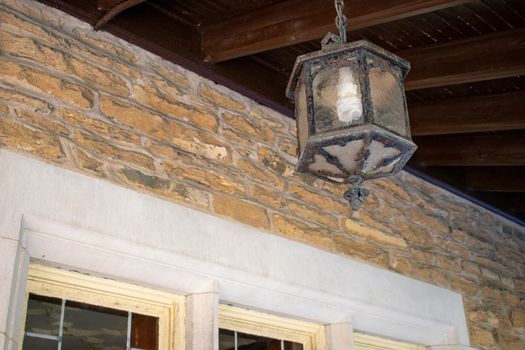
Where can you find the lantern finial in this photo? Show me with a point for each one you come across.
(356, 194)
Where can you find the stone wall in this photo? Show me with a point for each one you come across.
(95, 104)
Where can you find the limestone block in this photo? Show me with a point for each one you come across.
(202, 321)
(339, 336)
(8, 252)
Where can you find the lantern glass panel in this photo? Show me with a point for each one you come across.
(382, 159)
(347, 154)
(388, 100)
(337, 98)
(322, 166)
(301, 113)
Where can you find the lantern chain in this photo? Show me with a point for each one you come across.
(340, 20)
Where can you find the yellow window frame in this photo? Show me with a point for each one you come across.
(64, 284)
(233, 318)
(370, 342)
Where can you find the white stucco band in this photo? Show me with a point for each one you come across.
(76, 221)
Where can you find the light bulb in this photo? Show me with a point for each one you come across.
(348, 104)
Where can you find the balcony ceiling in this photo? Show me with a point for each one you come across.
(466, 89)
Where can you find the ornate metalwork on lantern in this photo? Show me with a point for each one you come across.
(351, 112)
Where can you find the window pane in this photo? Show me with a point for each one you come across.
(32, 343)
(91, 327)
(252, 342)
(288, 345)
(226, 340)
(144, 332)
(43, 315)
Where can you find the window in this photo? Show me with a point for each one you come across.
(242, 329)
(69, 311)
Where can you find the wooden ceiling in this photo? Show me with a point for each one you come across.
(466, 89)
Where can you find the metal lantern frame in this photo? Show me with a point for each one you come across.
(362, 56)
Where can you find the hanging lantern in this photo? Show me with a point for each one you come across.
(351, 112)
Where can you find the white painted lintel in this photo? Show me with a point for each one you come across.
(87, 224)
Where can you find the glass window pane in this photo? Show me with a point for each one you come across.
(144, 332)
(226, 340)
(255, 342)
(388, 101)
(43, 315)
(32, 343)
(337, 98)
(91, 327)
(252, 342)
(288, 345)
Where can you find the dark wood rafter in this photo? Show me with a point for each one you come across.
(297, 21)
(503, 149)
(114, 11)
(495, 179)
(469, 114)
(484, 57)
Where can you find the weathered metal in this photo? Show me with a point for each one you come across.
(351, 113)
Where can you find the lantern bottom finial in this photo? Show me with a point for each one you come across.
(356, 194)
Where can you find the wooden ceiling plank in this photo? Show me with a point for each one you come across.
(469, 114)
(505, 149)
(495, 179)
(120, 7)
(512, 202)
(483, 57)
(107, 5)
(267, 87)
(296, 21)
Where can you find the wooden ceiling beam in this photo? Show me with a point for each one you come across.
(505, 149)
(484, 57)
(468, 114)
(296, 21)
(495, 179)
(114, 11)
